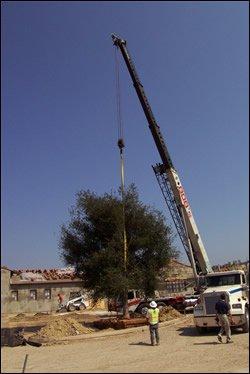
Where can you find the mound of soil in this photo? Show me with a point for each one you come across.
(41, 314)
(98, 305)
(61, 327)
(168, 313)
(18, 317)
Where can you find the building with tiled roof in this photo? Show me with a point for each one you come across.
(36, 290)
(43, 274)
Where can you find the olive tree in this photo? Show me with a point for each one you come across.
(93, 242)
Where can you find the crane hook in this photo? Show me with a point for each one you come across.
(120, 143)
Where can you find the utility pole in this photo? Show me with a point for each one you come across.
(121, 145)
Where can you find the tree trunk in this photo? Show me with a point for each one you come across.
(125, 305)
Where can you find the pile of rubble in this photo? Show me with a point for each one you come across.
(61, 327)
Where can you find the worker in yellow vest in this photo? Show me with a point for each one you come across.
(153, 319)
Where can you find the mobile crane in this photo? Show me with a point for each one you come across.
(232, 283)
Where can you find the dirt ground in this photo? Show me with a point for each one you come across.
(181, 350)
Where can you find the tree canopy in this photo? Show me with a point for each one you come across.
(92, 242)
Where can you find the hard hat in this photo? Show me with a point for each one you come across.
(153, 304)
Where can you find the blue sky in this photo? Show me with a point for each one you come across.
(59, 129)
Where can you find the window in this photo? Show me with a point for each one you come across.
(33, 295)
(14, 295)
(175, 287)
(223, 280)
(47, 294)
(131, 295)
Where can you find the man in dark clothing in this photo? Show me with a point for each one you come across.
(222, 312)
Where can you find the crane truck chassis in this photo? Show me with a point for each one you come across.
(231, 283)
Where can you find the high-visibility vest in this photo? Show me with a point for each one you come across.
(153, 316)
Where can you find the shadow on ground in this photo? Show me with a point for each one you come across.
(141, 343)
(207, 343)
(212, 331)
(191, 331)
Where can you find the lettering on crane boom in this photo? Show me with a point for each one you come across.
(184, 200)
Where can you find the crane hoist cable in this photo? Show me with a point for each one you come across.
(118, 96)
(121, 145)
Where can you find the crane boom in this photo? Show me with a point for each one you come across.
(169, 180)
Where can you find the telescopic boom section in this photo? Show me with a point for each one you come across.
(162, 149)
(170, 183)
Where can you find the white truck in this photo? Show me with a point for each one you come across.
(232, 283)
